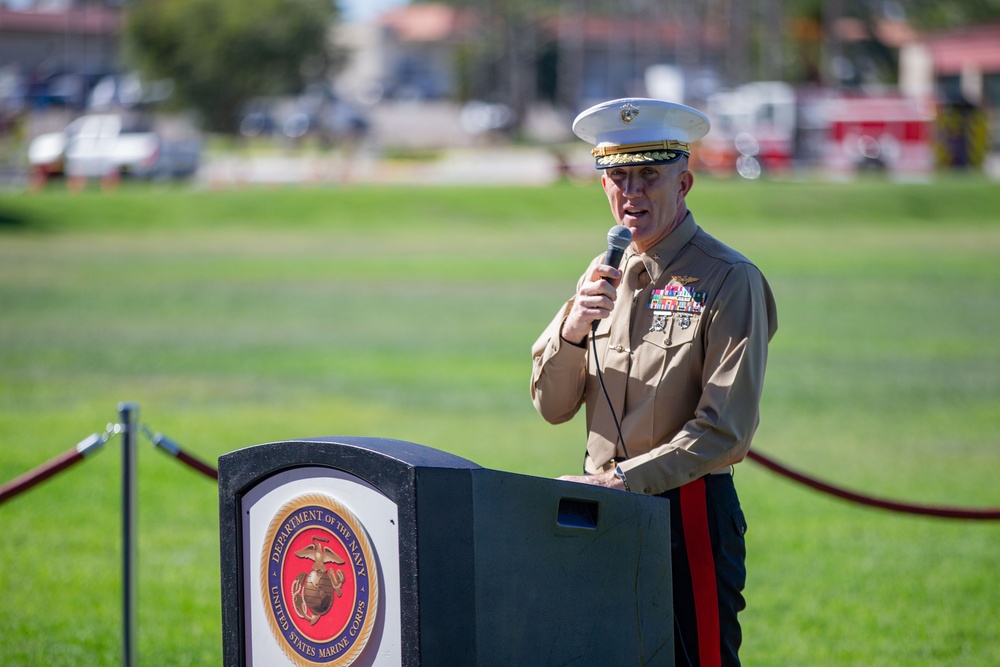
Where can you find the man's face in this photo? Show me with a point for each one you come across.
(648, 199)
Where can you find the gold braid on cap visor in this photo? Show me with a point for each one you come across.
(656, 151)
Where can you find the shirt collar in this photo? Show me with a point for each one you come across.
(659, 256)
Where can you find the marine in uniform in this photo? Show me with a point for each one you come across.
(667, 354)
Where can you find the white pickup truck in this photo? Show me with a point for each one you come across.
(99, 145)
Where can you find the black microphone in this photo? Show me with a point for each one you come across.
(619, 237)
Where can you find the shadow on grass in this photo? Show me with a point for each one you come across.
(19, 221)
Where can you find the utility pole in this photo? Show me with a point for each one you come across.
(572, 40)
(773, 55)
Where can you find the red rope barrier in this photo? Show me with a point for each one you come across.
(200, 466)
(170, 447)
(46, 470)
(78, 453)
(906, 508)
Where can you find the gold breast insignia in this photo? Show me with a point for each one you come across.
(683, 280)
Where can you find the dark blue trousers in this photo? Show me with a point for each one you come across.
(708, 557)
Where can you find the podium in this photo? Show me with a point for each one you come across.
(366, 551)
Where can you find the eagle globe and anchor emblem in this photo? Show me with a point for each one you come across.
(319, 582)
(312, 592)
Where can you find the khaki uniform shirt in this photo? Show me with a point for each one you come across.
(686, 379)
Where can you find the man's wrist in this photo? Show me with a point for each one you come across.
(582, 343)
(620, 474)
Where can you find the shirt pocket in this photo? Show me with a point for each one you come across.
(664, 359)
(669, 330)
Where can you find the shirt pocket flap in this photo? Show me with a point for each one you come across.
(672, 332)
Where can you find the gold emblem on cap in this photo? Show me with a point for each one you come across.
(665, 145)
(628, 159)
(629, 112)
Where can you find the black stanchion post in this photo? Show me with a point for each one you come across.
(128, 414)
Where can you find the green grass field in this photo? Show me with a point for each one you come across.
(240, 317)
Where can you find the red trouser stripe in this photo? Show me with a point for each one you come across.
(694, 516)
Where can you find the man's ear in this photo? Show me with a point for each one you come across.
(687, 182)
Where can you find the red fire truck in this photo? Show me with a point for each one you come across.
(753, 130)
(887, 133)
(766, 128)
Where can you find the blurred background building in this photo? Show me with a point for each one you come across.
(52, 53)
(905, 86)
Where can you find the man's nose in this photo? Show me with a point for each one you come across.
(631, 186)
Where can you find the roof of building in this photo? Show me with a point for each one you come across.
(431, 22)
(976, 47)
(83, 19)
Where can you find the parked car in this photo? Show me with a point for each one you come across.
(316, 112)
(99, 145)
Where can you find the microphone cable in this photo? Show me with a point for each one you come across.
(611, 407)
(619, 238)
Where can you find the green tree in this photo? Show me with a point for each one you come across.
(221, 53)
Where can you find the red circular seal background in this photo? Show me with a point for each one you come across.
(307, 525)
